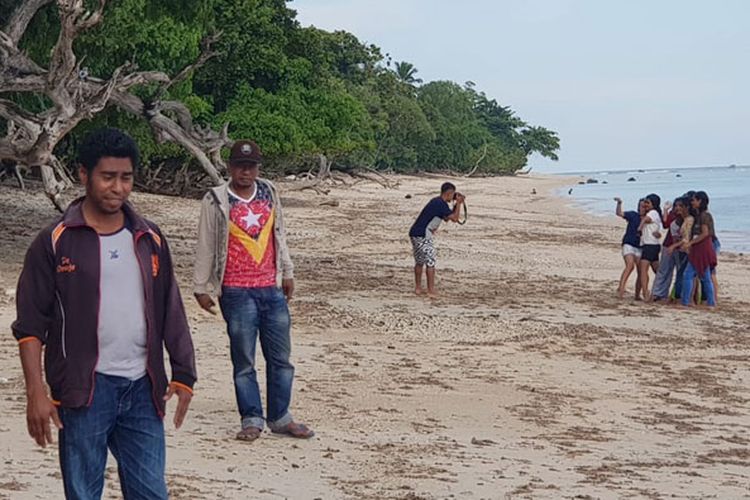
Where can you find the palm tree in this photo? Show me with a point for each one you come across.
(406, 73)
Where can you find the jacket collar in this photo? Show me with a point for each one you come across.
(73, 216)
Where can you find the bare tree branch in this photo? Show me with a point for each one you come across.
(480, 160)
(21, 18)
(205, 55)
(30, 138)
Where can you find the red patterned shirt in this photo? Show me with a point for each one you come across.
(251, 257)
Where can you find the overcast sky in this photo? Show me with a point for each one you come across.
(626, 84)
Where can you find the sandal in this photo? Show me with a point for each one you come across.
(295, 430)
(249, 434)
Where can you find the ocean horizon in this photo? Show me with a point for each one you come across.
(726, 188)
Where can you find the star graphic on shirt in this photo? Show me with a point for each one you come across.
(251, 219)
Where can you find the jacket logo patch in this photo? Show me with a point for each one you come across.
(66, 265)
(154, 265)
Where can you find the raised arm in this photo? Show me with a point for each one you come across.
(456, 213)
(618, 208)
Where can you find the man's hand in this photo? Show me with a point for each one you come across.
(287, 286)
(460, 198)
(184, 396)
(206, 302)
(39, 411)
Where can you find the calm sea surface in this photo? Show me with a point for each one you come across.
(728, 190)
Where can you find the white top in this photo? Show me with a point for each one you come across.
(656, 226)
(432, 227)
(122, 319)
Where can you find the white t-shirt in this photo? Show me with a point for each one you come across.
(432, 227)
(655, 226)
(122, 318)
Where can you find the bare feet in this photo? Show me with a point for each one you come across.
(621, 294)
(295, 430)
(419, 291)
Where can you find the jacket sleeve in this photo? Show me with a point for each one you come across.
(281, 246)
(205, 248)
(35, 295)
(177, 336)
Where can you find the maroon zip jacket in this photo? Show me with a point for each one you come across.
(57, 302)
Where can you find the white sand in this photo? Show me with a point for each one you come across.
(526, 378)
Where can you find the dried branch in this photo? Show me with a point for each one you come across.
(205, 55)
(31, 138)
(21, 18)
(481, 158)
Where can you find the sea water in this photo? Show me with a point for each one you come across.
(728, 190)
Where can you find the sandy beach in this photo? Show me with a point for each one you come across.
(525, 378)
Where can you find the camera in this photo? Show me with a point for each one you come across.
(456, 195)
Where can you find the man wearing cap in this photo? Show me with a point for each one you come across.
(243, 259)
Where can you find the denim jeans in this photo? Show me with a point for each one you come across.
(663, 279)
(706, 283)
(123, 418)
(250, 312)
(681, 260)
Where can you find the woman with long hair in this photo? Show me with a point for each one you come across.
(631, 245)
(667, 263)
(682, 211)
(651, 228)
(701, 253)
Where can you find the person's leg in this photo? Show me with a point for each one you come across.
(83, 442)
(241, 314)
(418, 279)
(715, 285)
(707, 286)
(137, 443)
(663, 279)
(430, 255)
(431, 281)
(687, 284)
(714, 279)
(644, 266)
(680, 263)
(637, 279)
(275, 326)
(629, 266)
(417, 251)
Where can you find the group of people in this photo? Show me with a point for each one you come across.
(97, 300)
(677, 243)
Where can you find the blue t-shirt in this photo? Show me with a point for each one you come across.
(631, 236)
(437, 207)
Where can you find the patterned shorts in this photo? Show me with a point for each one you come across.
(424, 251)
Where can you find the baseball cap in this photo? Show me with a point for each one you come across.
(245, 152)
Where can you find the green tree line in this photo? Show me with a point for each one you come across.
(298, 91)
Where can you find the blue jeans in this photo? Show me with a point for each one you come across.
(249, 312)
(706, 283)
(681, 261)
(663, 280)
(123, 418)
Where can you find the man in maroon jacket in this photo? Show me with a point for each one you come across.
(98, 297)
